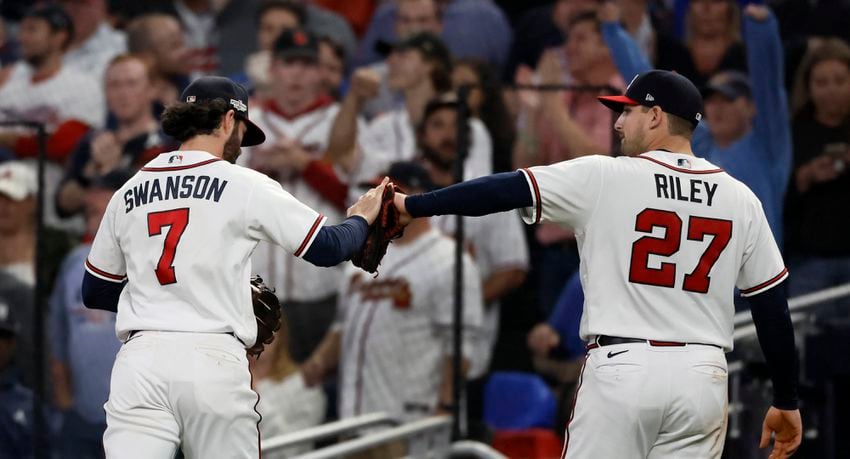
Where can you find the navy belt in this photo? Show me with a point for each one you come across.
(604, 340)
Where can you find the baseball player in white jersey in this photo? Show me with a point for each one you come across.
(664, 239)
(172, 256)
(392, 340)
(297, 120)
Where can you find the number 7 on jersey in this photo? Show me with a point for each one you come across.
(176, 221)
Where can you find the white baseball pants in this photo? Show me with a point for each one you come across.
(640, 401)
(187, 390)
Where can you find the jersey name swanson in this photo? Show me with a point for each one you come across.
(174, 187)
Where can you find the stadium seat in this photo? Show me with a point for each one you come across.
(514, 400)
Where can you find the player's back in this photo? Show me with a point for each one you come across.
(186, 226)
(664, 240)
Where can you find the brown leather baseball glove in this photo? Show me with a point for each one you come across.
(387, 227)
(268, 314)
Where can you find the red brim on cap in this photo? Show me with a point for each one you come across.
(616, 103)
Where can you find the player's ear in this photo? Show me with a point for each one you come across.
(656, 117)
(228, 123)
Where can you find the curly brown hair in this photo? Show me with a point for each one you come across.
(182, 120)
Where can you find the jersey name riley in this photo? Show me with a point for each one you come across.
(174, 187)
(693, 190)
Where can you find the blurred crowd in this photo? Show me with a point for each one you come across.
(351, 90)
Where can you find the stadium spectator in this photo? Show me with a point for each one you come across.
(420, 67)
(133, 140)
(297, 121)
(713, 39)
(158, 40)
(564, 125)
(95, 42)
(16, 401)
(42, 89)
(412, 17)
(496, 242)
(820, 186)
(558, 350)
(18, 188)
(487, 104)
(273, 17)
(216, 30)
(331, 67)
(82, 341)
(471, 28)
(17, 254)
(286, 403)
(539, 29)
(392, 341)
(745, 129)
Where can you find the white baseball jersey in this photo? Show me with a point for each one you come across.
(497, 243)
(397, 328)
(292, 278)
(68, 95)
(182, 231)
(664, 239)
(391, 137)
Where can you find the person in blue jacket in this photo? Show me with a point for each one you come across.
(746, 128)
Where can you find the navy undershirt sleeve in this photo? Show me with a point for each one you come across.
(337, 243)
(481, 196)
(776, 337)
(100, 294)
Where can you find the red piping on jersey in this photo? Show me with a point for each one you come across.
(180, 168)
(573, 408)
(103, 273)
(538, 204)
(678, 169)
(767, 283)
(309, 235)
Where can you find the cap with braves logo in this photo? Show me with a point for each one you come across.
(297, 44)
(17, 180)
(216, 87)
(674, 93)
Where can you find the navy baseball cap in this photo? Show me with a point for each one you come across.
(216, 87)
(674, 93)
(430, 45)
(732, 84)
(297, 44)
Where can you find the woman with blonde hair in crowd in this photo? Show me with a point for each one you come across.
(286, 404)
(819, 189)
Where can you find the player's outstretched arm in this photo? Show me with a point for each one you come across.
(337, 243)
(776, 337)
(482, 196)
